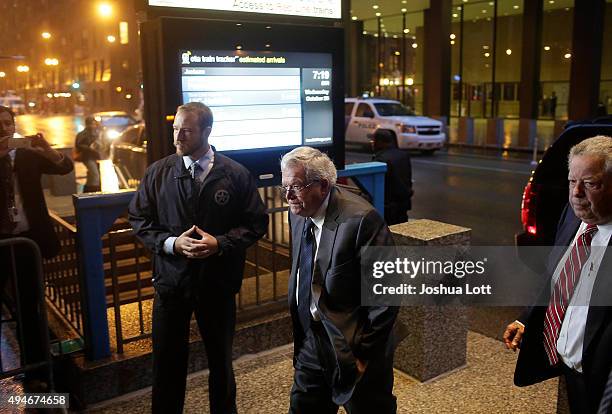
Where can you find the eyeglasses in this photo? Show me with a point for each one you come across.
(295, 189)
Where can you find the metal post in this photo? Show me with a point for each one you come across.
(460, 63)
(379, 60)
(95, 214)
(494, 54)
(404, 58)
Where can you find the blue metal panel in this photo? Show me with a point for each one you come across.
(371, 176)
(95, 214)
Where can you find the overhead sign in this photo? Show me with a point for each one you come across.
(330, 9)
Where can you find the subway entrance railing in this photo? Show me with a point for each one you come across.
(100, 283)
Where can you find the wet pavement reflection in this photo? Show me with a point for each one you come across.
(59, 130)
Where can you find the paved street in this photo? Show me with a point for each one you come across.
(59, 130)
(482, 192)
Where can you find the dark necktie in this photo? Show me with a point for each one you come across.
(7, 196)
(563, 291)
(605, 406)
(306, 264)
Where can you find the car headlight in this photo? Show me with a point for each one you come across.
(112, 134)
(408, 129)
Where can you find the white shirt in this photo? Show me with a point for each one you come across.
(317, 219)
(571, 336)
(20, 219)
(206, 164)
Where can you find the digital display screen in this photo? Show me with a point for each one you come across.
(261, 99)
(330, 9)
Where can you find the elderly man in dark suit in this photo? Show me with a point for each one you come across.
(23, 213)
(342, 351)
(572, 336)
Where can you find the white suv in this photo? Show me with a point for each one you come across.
(363, 117)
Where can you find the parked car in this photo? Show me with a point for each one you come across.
(546, 192)
(129, 154)
(113, 123)
(14, 103)
(365, 116)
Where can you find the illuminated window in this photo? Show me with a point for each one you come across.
(123, 33)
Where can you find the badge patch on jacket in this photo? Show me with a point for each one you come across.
(222, 197)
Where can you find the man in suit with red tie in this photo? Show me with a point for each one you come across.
(572, 335)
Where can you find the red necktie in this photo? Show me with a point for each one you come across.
(563, 291)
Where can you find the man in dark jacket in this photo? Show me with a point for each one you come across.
(398, 179)
(87, 145)
(343, 351)
(569, 331)
(197, 211)
(23, 213)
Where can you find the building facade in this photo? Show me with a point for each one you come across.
(81, 56)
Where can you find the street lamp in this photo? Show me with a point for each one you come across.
(105, 10)
(23, 68)
(2, 74)
(46, 35)
(111, 38)
(51, 61)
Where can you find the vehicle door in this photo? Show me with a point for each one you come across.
(362, 124)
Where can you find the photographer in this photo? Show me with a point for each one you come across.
(87, 148)
(23, 213)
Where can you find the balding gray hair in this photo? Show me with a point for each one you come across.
(203, 112)
(317, 165)
(598, 146)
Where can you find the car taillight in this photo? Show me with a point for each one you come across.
(528, 209)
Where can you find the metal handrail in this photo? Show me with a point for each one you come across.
(11, 243)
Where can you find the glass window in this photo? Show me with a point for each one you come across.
(123, 33)
(477, 58)
(130, 135)
(557, 25)
(605, 88)
(348, 108)
(395, 58)
(111, 121)
(393, 109)
(364, 111)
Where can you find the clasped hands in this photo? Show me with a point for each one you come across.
(194, 248)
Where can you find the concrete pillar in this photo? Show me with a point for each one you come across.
(530, 70)
(437, 59)
(354, 53)
(435, 336)
(585, 73)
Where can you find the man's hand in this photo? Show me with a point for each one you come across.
(40, 144)
(361, 367)
(196, 248)
(513, 335)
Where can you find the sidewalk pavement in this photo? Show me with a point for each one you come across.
(264, 380)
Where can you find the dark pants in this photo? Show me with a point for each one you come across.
(30, 306)
(216, 317)
(396, 213)
(312, 393)
(577, 395)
